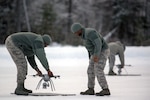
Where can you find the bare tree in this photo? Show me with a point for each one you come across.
(26, 15)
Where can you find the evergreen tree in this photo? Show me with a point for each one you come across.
(127, 17)
(47, 24)
(7, 19)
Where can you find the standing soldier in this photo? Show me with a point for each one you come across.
(98, 53)
(25, 45)
(116, 48)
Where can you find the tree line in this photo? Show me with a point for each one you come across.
(129, 18)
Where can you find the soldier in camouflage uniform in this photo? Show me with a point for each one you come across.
(25, 45)
(98, 53)
(116, 48)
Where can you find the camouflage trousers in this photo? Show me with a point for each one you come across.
(97, 69)
(111, 62)
(19, 59)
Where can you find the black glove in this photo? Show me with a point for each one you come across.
(120, 66)
(39, 73)
(50, 73)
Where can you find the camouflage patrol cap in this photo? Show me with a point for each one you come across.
(47, 39)
(76, 27)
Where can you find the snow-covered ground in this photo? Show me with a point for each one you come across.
(71, 64)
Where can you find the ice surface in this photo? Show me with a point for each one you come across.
(71, 64)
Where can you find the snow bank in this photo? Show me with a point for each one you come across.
(71, 64)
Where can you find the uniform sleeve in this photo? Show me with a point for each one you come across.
(40, 53)
(31, 60)
(94, 38)
(121, 56)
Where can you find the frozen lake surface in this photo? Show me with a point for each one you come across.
(71, 64)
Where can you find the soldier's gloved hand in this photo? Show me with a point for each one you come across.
(96, 59)
(39, 73)
(120, 66)
(50, 73)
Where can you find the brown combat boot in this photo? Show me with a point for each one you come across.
(103, 92)
(21, 90)
(90, 91)
(111, 73)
